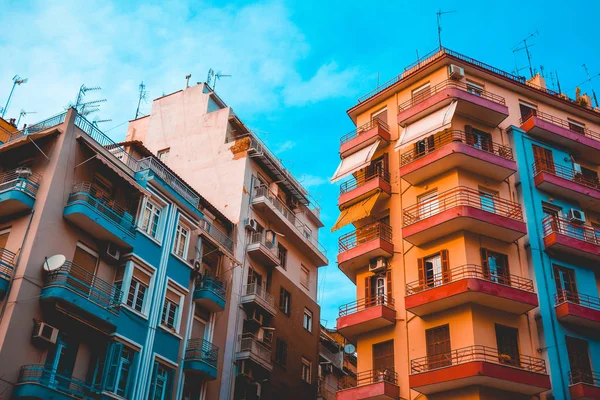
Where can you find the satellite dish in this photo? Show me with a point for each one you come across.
(55, 262)
(349, 348)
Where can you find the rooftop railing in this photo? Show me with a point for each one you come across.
(364, 128)
(202, 350)
(248, 342)
(38, 374)
(7, 263)
(584, 300)
(569, 174)
(217, 234)
(259, 291)
(363, 177)
(55, 120)
(461, 196)
(259, 238)
(212, 283)
(580, 130)
(169, 178)
(20, 179)
(582, 376)
(369, 377)
(573, 230)
(363, 304)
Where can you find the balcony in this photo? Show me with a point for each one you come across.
(100, 216)
(474, 103)
(567, 238)
(482, 366)
(39, 382)
(456, 149)
(577, 309)
(335, 357)
(262, 250)
(470, 284)
(217, 236)
(210, 293)
(18, 188)
(380, 384)
(325, 391)
(364, 136)
(7, 268)
(201, 358)
(255, 295)
(567, 183)
(81, 293)
(287, 223)
(582, 141)
(362, 185)
(585, 385)
(358, 247)
(463, 209)
(366, 315)
(255, 350)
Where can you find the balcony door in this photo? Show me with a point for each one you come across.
(495, 266)
(380, 115)
(487, 199)
(579, 359)
(82, 274)
(438, 347)
(434, 270)
(478, 139)
(507, 340)
(543, 159)
(566, 287)
(428, 204)
(378, 289)
(527, 110)
(383, 361)
(61, 360)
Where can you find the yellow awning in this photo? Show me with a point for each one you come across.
(355, 212)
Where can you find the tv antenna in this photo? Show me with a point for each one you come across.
(142, 96)
(589, 81)
(523, 45)
(100, 121)
(17, 80)
(218, 76)
(439, 24)
(23, 113)
(210, 76)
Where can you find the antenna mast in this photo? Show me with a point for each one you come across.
(526, 47)
(439, 24)
(142, 96)
(218, 76)
(24, 113)
(589, 80)
(17, 80)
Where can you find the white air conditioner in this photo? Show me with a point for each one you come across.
(44, 333)
(113, 252)
(577, 168)
(23, 172)
(455, 72)
(251, 224)
(378, 264)
(576, 216)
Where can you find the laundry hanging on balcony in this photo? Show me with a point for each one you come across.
(355, 161)
(429, 125)
(355, 212)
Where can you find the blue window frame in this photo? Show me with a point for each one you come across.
(162, 382)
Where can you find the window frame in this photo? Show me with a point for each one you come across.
(161, 206)
(304, 270)
(281, 352)
(285, 306)
(129, 271)
(183, 224)
(162, 152)
(306, 366)
(173, 287)
(282, 253)
(307, 320)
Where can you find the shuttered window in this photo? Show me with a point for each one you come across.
(434, 270)
(543, 158)
(383, 355)
(438, 346)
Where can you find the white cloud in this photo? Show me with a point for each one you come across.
(285, 146)
(309, 181)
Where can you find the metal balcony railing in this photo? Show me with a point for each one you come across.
(364, 128)
(169, 178)
(7, 263)
(337, 358)
(363, 304)
(573, 230)
(440, 140)
(77, 279)
(325, 391)
(369, 377)
(202, 350)
(363, 177)
(259, 291)
(212, 283)
(584, 300)
(365, 234)
(84, 193)
(217, 234)
(55, 120)
(247, 342)
(469, 271)
(561, 123)
(461, 196)
(477, 353)
(20, 179)
(589, 377)
(38, 374)
(260, 238)
(569, 174)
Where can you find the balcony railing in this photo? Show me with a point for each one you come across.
(259, 238)
(584, 300)
(363, 304)
(365, 234)
(87, 285)
(259, 291)
(445, 138)
(58, 119)
(217, 234)
(20, 179)
(369, 377)
(588, 377)
(562, 226)
(569, 174)
(363, 177)
(7, 263)
(250, 343)
(213, 284)
(337, 359)
(449, 84)
(469, 271)
(560, 122)
(325, 391)
(364, 128)
(202, 350)
(40, 375)
(84, 193)
(169, 178)
(477, 353)
(461, 196)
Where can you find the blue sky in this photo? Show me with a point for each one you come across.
(297, 66)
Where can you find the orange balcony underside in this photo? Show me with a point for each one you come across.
(363, 191)
(579, 315)
(367, 320)
(568, 189)
(559, 243)
(583, 391)
(364, 139)
(457, 155)
(471, 290)
(375, 391)
(480, 373)
(473, 106)
(350, 261)
(464, 218)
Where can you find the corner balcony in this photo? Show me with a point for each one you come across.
(567, 238)
(366, 315)
(7, 269)
(584, 385)
(358, 247)
(210, 293)
(567, 183)
(364, 136)
(481, 366)
(216, 236)
(363, 185)
(287, 223)
(255, 295)
(470, 284)
(577, 309)
(479, 105)
(18, 188)
(38, 382)
(100, 216)
(257, 351)
(463, 209)
(81, 293)
(263, 251)
(379, 384)
(456, 149)
(201, 358)
(582, 141)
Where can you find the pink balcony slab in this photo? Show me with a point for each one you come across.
(364, 136)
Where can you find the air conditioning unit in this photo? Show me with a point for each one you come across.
(576, 216)
(23, 171)
(113, 252)
(251, 224)
(455, 72)
(44, 334)
(256, 317)
(378, 264)
(577, 168)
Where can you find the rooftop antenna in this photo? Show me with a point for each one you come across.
(589, 80)
(142, 96)
(24, 113)
(210, 76)
(525, 46)
(187, 80)
(100, 121)
(439, 24)
(82, 91)
(17, 80)
(218, 76)
(85, 109)
(558, 82)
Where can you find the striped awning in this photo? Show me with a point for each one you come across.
(355, 212)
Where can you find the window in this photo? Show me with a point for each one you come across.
(428, 204)
(306, 370)
(134, 296)
(182, 238)
(577, 127)
(434, 270)
(304, 276)
(120, 361)
(171, 310)
(285, 300)
(102, 188)
(307, 320)
(151, 219)
(380, 115)
(474, 88)
(438, 346)
(137, 294)
(82, 273)
(162, 382)
(421, 93)
(282, 255)
(378, 288)
(566, 286)
(495, 266)
(543, 159)
(163, 155)
(478, 139)
(487, 199)
(507, 339)
(527, 110)
(383, 357)
(579, 359)
(280, 352)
